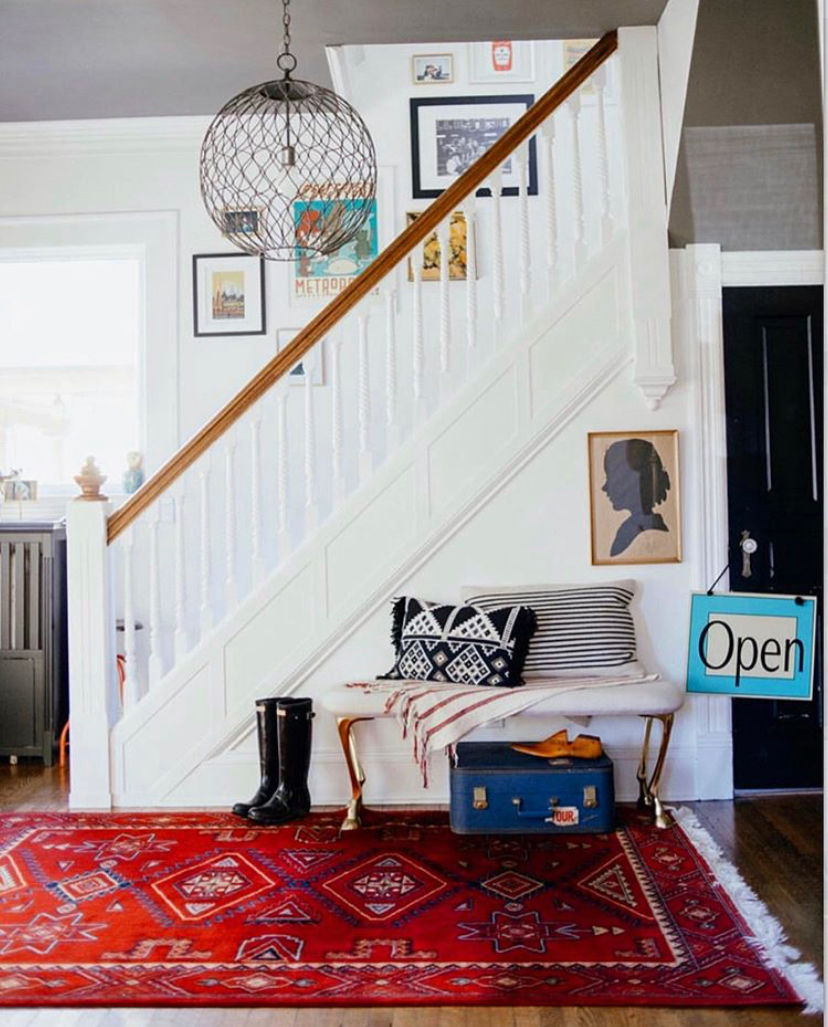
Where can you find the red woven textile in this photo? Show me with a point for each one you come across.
(198, 909)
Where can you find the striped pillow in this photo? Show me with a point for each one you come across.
(583, 630)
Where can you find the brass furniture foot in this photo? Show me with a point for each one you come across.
(648, 797)
(355, 772)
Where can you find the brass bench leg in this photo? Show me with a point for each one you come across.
(648, 790)
(355, 771)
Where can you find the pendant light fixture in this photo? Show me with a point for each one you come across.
(288, 168)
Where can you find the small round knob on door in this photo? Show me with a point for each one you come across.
(748, 546)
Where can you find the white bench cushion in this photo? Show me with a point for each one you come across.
(652, 698)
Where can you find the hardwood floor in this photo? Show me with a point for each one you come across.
(775, 841)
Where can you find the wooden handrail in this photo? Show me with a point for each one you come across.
(346, 300)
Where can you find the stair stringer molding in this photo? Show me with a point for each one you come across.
(414, 503)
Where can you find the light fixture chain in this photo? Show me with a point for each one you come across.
(286, 24)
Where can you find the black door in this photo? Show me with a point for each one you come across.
(773, 394)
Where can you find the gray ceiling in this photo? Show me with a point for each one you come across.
(126, 58)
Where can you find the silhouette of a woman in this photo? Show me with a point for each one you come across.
(636, 481)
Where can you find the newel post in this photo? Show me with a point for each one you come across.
(647, 214)
(91, 649)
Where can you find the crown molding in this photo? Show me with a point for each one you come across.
(773, 267)
(104, 135)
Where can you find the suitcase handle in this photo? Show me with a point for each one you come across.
(542, 814)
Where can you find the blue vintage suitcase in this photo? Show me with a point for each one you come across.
(495, 790)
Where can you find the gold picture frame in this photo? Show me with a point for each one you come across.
(635, 511)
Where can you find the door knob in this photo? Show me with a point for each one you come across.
(748, 546)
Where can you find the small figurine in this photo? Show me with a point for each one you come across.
(134, 474)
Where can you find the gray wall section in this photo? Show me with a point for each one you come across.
(755, 63)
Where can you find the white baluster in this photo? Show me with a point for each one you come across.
(180, 636)
(283, 533)
(443, 240)
(363, 399)
(156, 666)
(230, 523)
(524, 267)
(256, 562)
(418, 354)
(311, 508)
(205, 606)
(607, 226)
(577, 181)
(495, 183)
(130, 692)
(548, 164)
(336, 423)
(392, 427)
(471, 278)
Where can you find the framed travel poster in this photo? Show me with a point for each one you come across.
(228, 294)
(634, 497)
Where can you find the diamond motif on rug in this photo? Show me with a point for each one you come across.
(216, 884)
(384, 887)
(511, 885)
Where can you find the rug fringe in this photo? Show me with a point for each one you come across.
(769, 935)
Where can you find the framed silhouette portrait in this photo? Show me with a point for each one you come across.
(634, 497)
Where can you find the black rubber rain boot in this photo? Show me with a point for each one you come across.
(291, 799)
(268, 732)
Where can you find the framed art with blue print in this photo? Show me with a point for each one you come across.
(757, 646)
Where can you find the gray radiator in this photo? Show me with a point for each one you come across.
(33, 675)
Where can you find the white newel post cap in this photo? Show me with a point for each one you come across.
(90, 480)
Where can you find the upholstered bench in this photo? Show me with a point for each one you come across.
(652, 699)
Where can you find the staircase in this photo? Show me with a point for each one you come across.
(290, 519)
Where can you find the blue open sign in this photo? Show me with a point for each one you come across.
(751, 645)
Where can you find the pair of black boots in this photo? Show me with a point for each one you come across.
(284, 730)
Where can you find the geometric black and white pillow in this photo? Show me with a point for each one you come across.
(583, 630)
(460, 644)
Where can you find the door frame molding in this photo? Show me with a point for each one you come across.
(699, 273)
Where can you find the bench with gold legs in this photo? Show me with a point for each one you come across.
(652, 700)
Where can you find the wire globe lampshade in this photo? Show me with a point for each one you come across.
(288, 170)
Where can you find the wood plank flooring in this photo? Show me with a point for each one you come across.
(775, 841)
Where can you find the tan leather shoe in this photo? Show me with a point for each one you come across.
(584, 747)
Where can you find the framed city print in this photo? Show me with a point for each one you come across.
(457, 256)
(635, 515)
(502, 60)
(298, 373)
(430, 68)
(448, 135)
(228, 294)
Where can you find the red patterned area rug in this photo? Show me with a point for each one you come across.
(199, 909)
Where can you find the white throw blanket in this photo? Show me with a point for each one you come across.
(436, 716)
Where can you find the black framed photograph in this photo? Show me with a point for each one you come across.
(448, 135)
(228, 294)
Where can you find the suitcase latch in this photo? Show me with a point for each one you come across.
(480, 799)
(590, 797)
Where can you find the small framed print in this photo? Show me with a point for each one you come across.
(634, 497)
(228, 294)
(502, 60)
(297, 374)
(428, 68)
(241, 222)
(449, 134)
(458, 250)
